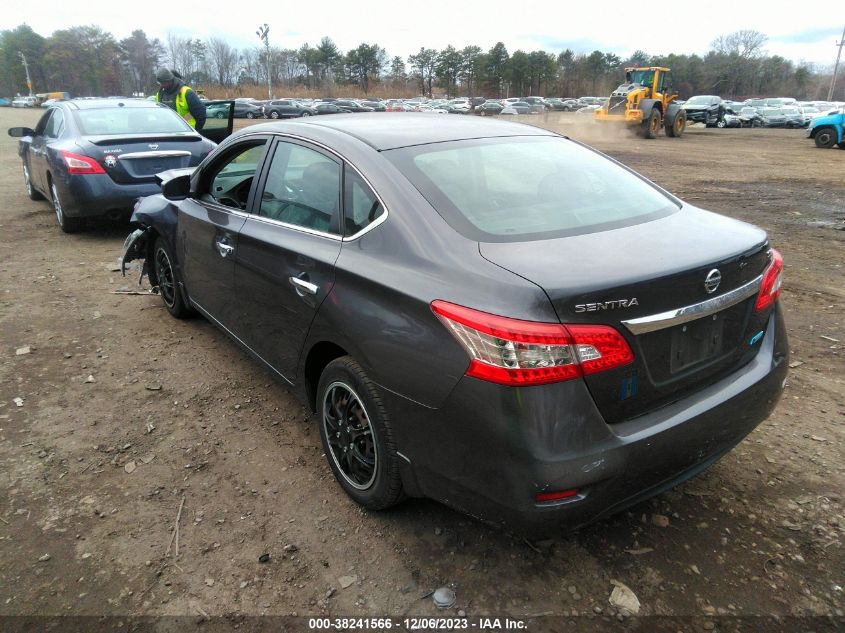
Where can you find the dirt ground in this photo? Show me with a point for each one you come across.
(111, 383)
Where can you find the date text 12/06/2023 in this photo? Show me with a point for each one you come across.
(416, 624)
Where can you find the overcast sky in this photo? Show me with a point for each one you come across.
(403, 26)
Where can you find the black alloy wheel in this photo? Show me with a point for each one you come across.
(168, 282)
(357, 435)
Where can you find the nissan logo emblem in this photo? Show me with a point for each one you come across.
(712, 281)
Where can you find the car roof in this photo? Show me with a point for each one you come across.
(90, 104)
(384, 131)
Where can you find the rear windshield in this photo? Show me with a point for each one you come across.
(525, 188)
(127, 120)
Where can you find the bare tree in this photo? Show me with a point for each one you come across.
(223, 61)
(746, 44)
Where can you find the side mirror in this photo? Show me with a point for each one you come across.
(20, 132)
(177, 188)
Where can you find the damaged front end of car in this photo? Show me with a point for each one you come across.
(156, 216)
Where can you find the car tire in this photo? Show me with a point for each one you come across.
(168, 281)
(219, 115)
(27, 181)
(825, 137)
(721, 123)
(250, 115)
(305, 114)
(357, 435)
(274, 114)
(66, 224)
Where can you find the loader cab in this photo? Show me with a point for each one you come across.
(657, 81)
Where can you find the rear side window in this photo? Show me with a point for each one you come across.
(129, 120)
(524, 188)
(361, 205)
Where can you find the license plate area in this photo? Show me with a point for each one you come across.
(696, 342)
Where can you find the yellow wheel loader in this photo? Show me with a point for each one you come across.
(646, 102)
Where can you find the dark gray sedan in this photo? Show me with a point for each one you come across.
(483, 313)
(287, 109)
(93, 158)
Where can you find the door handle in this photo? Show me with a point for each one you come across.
(224, 249)
(303, 286)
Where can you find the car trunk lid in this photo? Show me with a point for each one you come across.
(638, 279)
(137, 158)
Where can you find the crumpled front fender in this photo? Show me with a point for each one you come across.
(156, 216)
(136, 246)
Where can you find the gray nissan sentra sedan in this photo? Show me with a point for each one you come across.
(483, 313)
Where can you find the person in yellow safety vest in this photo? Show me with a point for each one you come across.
(173, 93)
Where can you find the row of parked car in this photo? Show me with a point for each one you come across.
(713, 111)
(290, 108)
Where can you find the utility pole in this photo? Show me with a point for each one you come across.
(26, 67)
(840, 44)
(262, 34)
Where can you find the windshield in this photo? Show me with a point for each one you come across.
(698, 100)
(108, 121)
(643, 77)
(790, 111)
(524, 188)
(770, 111)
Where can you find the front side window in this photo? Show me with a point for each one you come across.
(232, 179)
(525, 188)
(43, 121)
(55, 124)
(303, 189)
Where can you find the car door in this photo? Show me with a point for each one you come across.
(37, 150)
(287, 250)
(287, 109)
(219, 128)
(209, 222)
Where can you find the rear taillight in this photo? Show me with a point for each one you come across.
(771, 285)
(550, 497)
(514, 352)
(78, 164)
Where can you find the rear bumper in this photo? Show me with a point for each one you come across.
(97, 195)
(489, 450)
